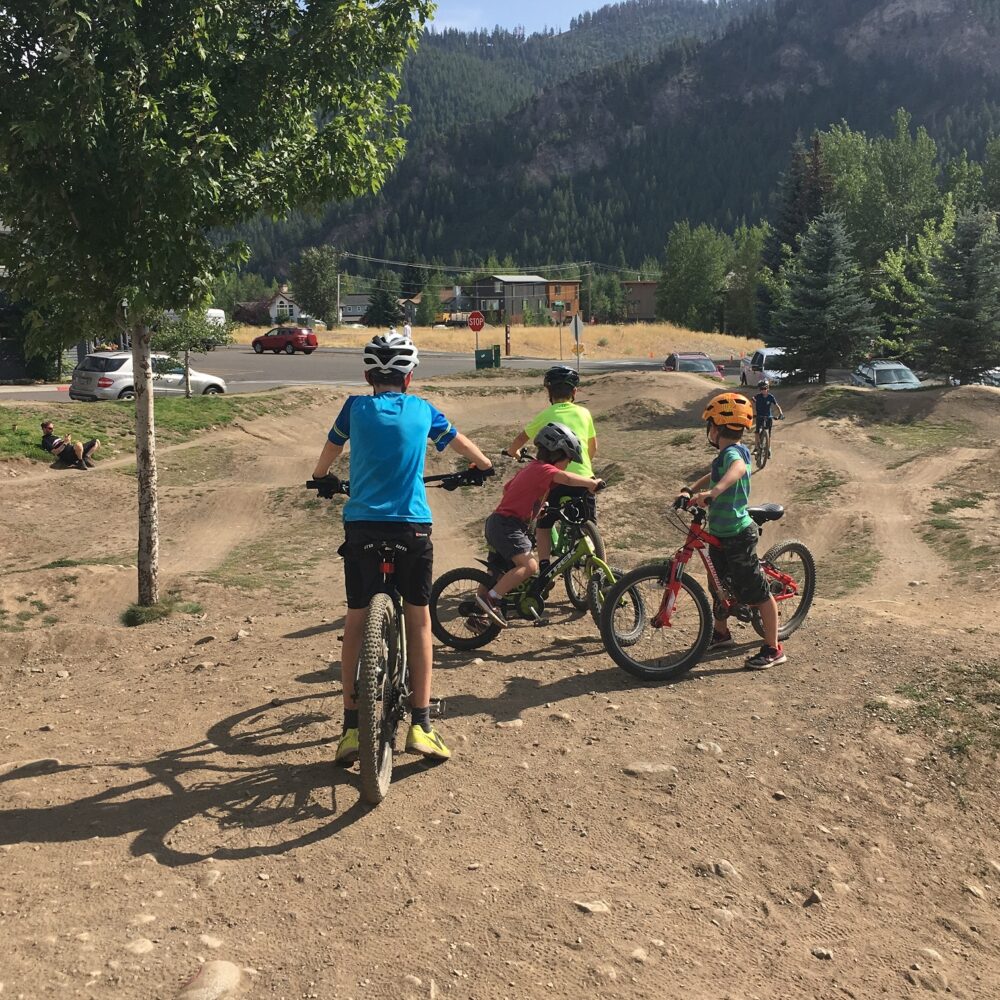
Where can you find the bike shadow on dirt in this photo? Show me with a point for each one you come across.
(262, 783)
(313, 630)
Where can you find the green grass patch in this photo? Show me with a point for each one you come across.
(67, 563)
(955, 705)
(820, 488)
(967, 502)
(138, 614)
(113, 422)
(850, 566)
(682, 438)
(957, 528)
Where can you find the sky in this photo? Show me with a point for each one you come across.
(534, 15)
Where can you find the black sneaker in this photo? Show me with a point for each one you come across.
(492, 609)
(81, 464)
(477, 623)
(767, 657)
(90, 463)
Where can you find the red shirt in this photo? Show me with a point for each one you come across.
(524, 495)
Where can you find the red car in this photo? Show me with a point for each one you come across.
(286, 338)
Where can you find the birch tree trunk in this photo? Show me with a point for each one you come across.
(187, 372)
(145, 464)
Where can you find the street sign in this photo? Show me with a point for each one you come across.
(577, 327)
(476, 321)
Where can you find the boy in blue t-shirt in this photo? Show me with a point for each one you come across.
(389, 431)
(727, 416)
(762, 404)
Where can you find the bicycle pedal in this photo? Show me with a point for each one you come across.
(540, 622)
(438, 708)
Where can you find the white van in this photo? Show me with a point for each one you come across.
(764, 363)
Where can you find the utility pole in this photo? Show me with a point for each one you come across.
(337, 321)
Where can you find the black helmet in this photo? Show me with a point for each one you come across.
(562, 375)
(558, 437)
(763, 384)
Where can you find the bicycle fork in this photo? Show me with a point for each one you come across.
(669, 601)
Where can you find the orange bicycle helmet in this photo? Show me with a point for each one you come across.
(730, 409)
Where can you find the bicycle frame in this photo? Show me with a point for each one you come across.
(700, 541)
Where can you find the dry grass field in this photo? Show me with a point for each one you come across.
(635, 340)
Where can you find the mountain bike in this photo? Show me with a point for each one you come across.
(458, 621)
(762, 446)
(664, 628)
(382, 677)
(566, 534)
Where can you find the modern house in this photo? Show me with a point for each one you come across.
(640, 301)
(505, 298)
(566, 292)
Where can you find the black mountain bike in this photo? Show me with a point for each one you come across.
(382, 677)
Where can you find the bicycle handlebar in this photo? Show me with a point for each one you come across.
(330, 486)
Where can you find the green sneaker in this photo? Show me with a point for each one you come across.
(347, 749)
(429, 744)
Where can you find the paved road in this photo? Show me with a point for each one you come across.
(245, 371)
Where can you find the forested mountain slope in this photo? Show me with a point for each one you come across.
(602, 165)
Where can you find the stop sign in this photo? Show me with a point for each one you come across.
(476, 321)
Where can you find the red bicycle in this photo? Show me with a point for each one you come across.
(657, 620)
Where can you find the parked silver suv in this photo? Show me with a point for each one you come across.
(108, 375)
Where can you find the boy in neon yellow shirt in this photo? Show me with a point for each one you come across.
(561, 383)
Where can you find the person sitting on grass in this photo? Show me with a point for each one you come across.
(561, 383)
(507, 527)
(68, 451)
(727, 416)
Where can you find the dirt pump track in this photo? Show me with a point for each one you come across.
(167, 796)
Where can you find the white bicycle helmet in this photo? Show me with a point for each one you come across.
(391, 353)
(558, 437)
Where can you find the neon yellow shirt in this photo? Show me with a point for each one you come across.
(578, 419)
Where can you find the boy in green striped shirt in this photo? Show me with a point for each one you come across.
(727, 416)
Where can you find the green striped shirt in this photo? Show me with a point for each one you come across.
(727, 513)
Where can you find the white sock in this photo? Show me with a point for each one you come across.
(494, 595)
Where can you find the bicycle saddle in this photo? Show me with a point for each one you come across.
(766, 512)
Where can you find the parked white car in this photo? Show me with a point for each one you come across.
(108, 375)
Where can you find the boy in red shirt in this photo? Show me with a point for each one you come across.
(508, 527)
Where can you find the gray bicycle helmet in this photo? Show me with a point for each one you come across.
(561, 375)
(558, 437)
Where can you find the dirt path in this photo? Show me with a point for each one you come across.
(167, 799)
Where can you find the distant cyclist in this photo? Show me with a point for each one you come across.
(762, 403)
(388, 432)
(562, 383)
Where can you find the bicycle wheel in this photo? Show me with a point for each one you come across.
(793, 559)
(763, 451)
(629, 615)
(639, 647)
(577, 577)
(377, 714)
(456, 618)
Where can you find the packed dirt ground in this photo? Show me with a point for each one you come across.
(825, 829)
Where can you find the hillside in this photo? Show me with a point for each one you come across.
(601, 165)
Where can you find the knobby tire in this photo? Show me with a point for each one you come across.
(448, 619)
(807, 586)
(379, 648)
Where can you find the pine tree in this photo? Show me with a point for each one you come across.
(961, 333)
(383, 302)
(827, 320)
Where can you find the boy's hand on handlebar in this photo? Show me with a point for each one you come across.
(682, 499)
(702, 499)
(598, 485)
(328, 486)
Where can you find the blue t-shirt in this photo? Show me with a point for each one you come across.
(762, 404)
(388, 435)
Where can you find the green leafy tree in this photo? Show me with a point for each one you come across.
(904, 284)
(743, 279)
(430, 299)
(991, 174)
(314, 280)
(191, 330)
(961, 330)
(826, 320)
(131, 132)
(233, 287)
(690, 290)
(383, 301)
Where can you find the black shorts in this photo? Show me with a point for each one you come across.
(363, 564)
(738, 560)
(559, 494)
(507, 537)
(764, 423)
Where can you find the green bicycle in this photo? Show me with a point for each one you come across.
(578, 556)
